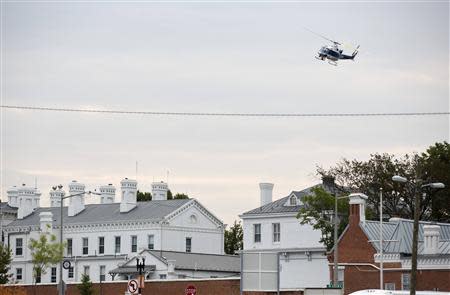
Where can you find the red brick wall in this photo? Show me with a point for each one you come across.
(206, 287)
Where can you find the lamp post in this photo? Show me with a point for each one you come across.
(61, 282)
(140, 267)
(435, 185)
(381, 238)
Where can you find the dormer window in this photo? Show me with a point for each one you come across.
(293, 201)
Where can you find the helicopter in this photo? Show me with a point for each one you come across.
(333, 52)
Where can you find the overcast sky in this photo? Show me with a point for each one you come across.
(215, 57)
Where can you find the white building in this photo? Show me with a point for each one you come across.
(280, 253)
(102, 236)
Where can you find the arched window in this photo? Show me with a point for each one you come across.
(193, 218)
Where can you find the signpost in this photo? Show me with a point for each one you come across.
(133, 286)
(190, 290)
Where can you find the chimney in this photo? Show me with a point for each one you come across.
(46, 221)
(55, 196)
(76, 204)
(159, 191)
(266, 193)
(171, 266)
(26, 197)
(431, 239)
(108, 194)
(129, 190)
(12, 194)
(357, 208)
(36, 198)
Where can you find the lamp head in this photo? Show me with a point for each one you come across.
(398, 178)
(437, 185)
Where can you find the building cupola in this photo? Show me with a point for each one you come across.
(26, 197)
(159, 191)
(129, 191)
(107, 194)
(56, 193)
(13, 194)
(76, 203)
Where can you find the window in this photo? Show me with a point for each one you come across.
(188, 245)
(102, 273)
(162, 277)
(19, 246)
(101, 245)
(276, 232)
(70, 272)
(133, 244)
(86, 270)
(38, 277)
(389, 286)
(117, 245)
(181, 276)
(257, 232)
(69, 247)
(151, 242)
(85, 246)
(18, 274)
(293, 201)
(405, 281)
(53, 276)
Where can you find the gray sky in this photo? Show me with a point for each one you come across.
(215, 57)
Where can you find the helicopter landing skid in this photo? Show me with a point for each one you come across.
(319, 58)
(333, 63)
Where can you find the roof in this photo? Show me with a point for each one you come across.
(277, 206)
(200, 261)
(188, 261)
(96, 213)
(399, 234)
(6, 208)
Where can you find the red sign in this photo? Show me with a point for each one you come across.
(191, 290)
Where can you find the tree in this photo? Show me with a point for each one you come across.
(318, 211)
(179, 196)
(143, 196)
(436, 161)
(169, 195)
(45, 251)
(5, 261)
(85, 287)
(234, 238)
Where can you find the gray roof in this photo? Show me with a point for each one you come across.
(200, 261)
(99, 213)
(6, 208)
(400, 233)
(278, 205)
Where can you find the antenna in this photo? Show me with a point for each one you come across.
(167, 179)
(136, 170)
(35, 182)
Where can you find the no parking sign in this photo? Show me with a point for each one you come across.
(190, 290)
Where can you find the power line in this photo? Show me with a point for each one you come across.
(212, 114)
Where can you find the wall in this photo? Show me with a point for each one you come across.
(204, 287)
(293, 234)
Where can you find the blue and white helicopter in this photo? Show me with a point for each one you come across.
(333, 52)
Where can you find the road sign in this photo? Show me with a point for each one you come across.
(66, 264)
(190, 290)
(133, 286)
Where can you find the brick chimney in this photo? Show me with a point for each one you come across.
(357, 208)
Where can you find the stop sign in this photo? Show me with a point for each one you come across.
(190, 290)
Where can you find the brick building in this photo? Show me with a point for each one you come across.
(358, 253)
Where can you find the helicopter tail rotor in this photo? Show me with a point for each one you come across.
(355, 52)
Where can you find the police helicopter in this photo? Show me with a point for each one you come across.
(333, 52)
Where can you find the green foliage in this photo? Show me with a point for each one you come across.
(45, 251)
(180, 196)
(319, 212)
(143, 196)
(233, 238)
(5, 261)
(86, 287)
(436, 162)
(169, 195)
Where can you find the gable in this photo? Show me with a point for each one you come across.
(193, 214)
(354, 246)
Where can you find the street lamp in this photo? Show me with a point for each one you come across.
(435, 185)
(61, 282)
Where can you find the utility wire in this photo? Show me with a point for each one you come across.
(212, 114)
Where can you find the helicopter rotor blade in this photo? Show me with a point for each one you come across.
(328, 39)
